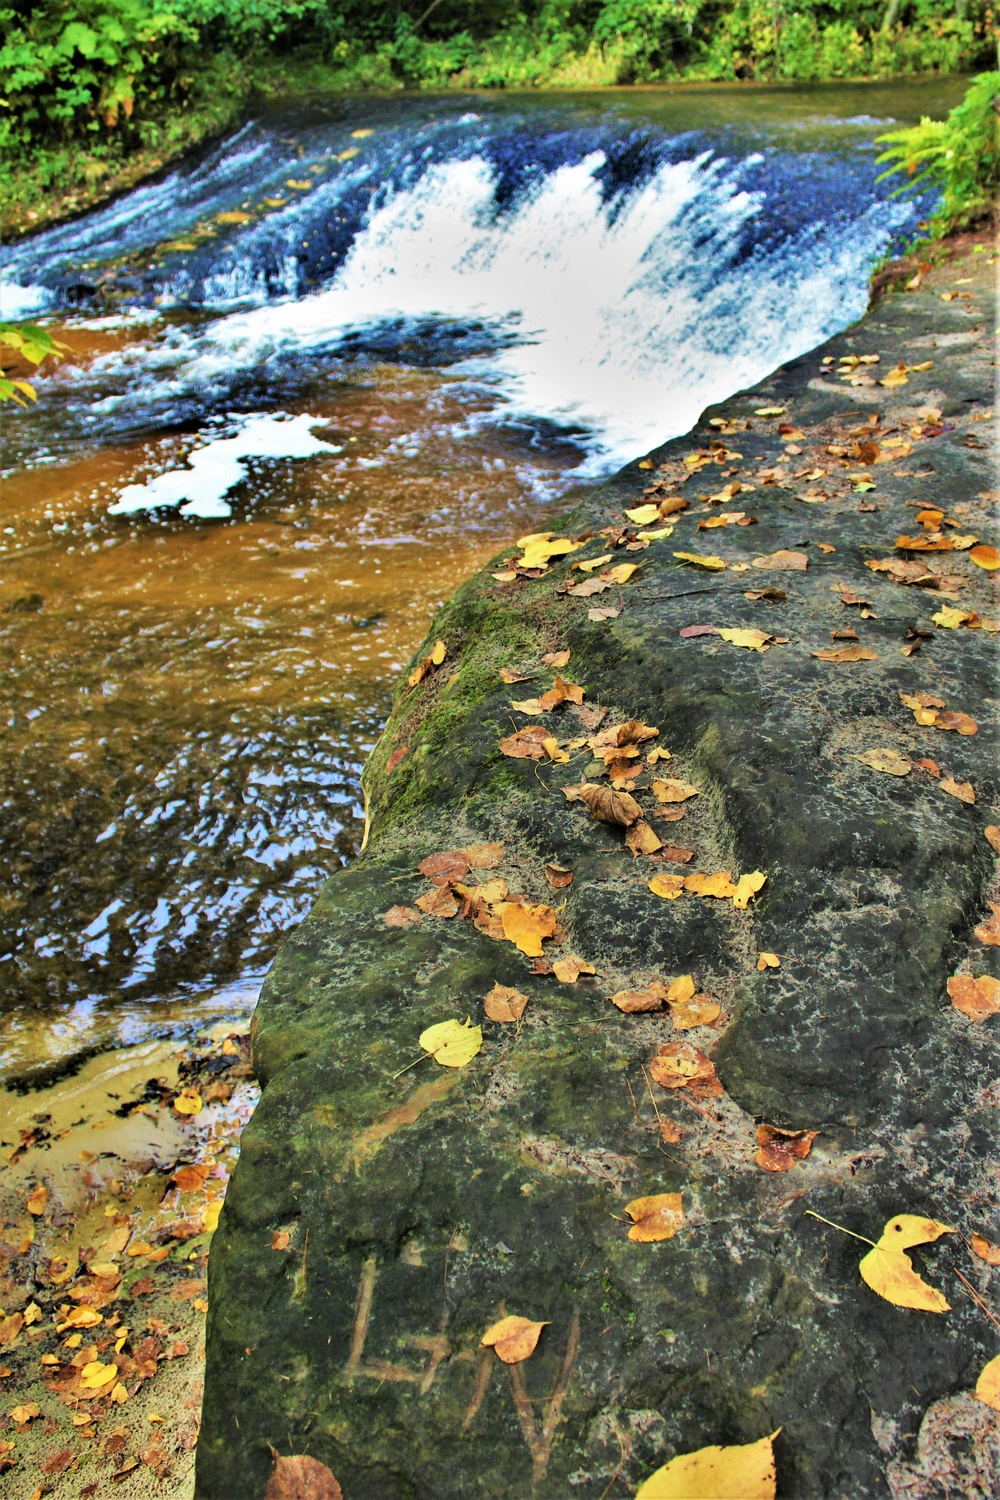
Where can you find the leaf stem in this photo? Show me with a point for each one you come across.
(409, 1066)
(814, 1215)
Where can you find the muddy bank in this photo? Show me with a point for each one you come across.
(383, 1215)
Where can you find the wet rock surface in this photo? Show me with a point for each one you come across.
(422, 1205)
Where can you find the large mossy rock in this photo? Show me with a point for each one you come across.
(421, 1205)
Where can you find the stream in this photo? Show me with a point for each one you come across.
(313, 379)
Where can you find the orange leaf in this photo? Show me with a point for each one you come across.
(568, 970)
(301, 1478)
(975, 998)
(657, 1217)
(778, 1150)
(526, 926)
(514, 1339)
(504, 1003)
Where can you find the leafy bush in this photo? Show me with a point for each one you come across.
(960, 155)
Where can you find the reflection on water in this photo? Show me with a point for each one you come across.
(311, 386)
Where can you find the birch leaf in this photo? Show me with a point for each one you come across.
(451, 1043)
(526, 926)
(503, 1003)
(988, 1384)
(514, 1339)
(889, 1271)
(655, 1218)
(745, 1472)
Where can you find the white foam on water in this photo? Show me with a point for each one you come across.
(220, 466)
(627, 319)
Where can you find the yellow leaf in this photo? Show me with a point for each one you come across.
(889, 1272)
(541, 546)
(769, 411)
(680, 990)
(644, 515)
(360, 135)
(668, 886)
(671, 790)
(986, 557)
(25, 1413)
(738, 1473)
(451, 1043)
(747, 886)
(622, 573)
(82, 1317)
(210, 1215)
(713, 564)
(568, 970)
(592, 563)
(655, 1218)
(719, 885)
(753, 640)
(95, 1375)
(37, 1200)
(526, 926)
(301, 185)
(514, 1339)
(886, 759)
(988, 1384)
(768, 961)
(234, 216)
(188, 1102)
(349, 154)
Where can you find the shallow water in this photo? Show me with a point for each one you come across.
(313, 380)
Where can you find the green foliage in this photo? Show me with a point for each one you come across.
(960, 155)
(32, 344)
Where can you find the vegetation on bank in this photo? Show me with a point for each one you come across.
(95, 94)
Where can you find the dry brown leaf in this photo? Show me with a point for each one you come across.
(735, 1473)
(680, 1065)
(668, 886)
(26, 1412)
(633, 1002)
(483, 856)
(697, 1010)
(440, 902)
(963, 790)
(670, 789)
(654, 1218)
(280, 1239)
(527, 744)
(985, 1249)
(301, 1478)
(975, 998)
(568, 970)
(778, 1150)
(448, 865)
(509, 675)
(401, 916)
(783, 562)
(988, 932)
(557, 876)
(991, 833)
(884, 758)
(670, 1132)
(641, 839)
(754, 594)
(514, 1339)
(988, 1384)
(191, 1177)
(609, 806)
(525, 926)
(556, 658)
(503, 1003)
(676, 855)
(845, 653)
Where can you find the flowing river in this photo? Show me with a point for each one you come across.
(314, 379)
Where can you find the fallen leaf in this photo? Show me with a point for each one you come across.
(280, 1239)
(542, 546)
(991, 833)
(94, 1376)
(845, 653)
(768, 961)
(32, 1314)
(556, 658)
(745, 1472)
(603, 612)
(301, 1478)
(557, 877)
(950, 619)
(754, 594)
(719, 885)
(676, 855)
(622, 573)
(989, 931)
(985, 557)
(778, 1150)
(609, 806)
(963, 790)
(826, 547)
(24, 1413)
(82, 1317)
(448, 865)
(753, 640)
(889, 1272)
(975, 998)
(988, 1384)
(59, 1462)
(884, 758)
(657, 1217)
(440, 902)
(525, 926)
(188, 1102)
(689, 632)
(680, 1065)
(641, 839)
(747, 886)
(689, 1011)
(397, 755)
(670, 789)
(668, 886)
(593, 562)
(235, 216)
(514, 1339)
(435, 659)
(670, 1132)
(452, 1043)
(783, 562)
(508, 675)
(503, 1003)
(527, 744)
(37, 1200)
(644, 515)
(985, 1249)
(712, 563)
(401, 916)
(634, 1002)
(770, 411)
(568, 970)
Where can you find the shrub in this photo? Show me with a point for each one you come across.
(959, 155)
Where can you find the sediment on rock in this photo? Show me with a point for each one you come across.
(424, 1203)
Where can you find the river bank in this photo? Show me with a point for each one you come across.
(834, 1057)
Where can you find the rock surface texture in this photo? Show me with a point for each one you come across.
(422, 1204)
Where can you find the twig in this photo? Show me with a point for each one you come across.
(980, 1303)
